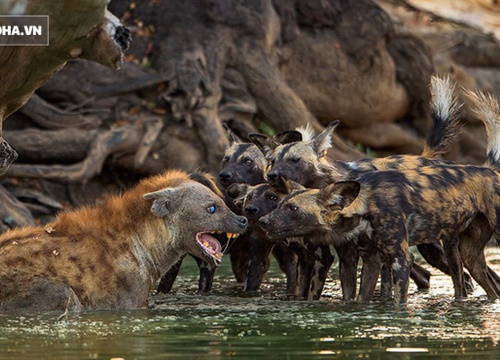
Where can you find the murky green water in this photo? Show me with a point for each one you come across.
(230, 324)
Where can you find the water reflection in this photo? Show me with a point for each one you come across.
(226, 324)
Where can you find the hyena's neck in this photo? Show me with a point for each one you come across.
(154, 248)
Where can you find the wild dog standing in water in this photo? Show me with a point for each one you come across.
(110, 256)
(245, 164)
(457, 204)
(385, 212)
(255, 202)
(305, 162)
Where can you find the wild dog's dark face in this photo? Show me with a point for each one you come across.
(255, 201)
(192, 212)
(242, 163)
(312, 211)
(299, 161)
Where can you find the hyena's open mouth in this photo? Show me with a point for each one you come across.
(211, 246)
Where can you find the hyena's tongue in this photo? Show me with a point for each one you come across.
(210, 245)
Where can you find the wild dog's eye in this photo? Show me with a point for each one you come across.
(295, 159)
(293, 207)
(248, 161)
(211, 209)
(273, 161)
(272, 197)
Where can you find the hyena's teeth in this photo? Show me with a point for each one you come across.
(212, 232)
(219, 232)
(205, 243)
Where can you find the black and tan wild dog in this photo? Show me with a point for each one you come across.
(257, 201)
(111, 255)
(386, 211)
(305, 162)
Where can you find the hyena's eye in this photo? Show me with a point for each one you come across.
(295, 159)
(293, 207)
(225, 159)
(248, 161)
(211, 209)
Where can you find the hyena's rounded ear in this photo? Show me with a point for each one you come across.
(287, 137)
(323, 141)
(340, 194)
(161, 201)
(265, 143)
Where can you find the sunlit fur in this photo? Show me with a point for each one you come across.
(109, 255)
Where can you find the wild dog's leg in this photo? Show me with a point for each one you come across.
(420, 276)
(472, 243)
(323, 260)
(304, 269)
(260, 253)
(372, 262)
(434, 254)
(386, 280)
(288, 261)
(167, 281)
(240, 258)
(401, 267)
(451, 249)
(348, 267)
(207, 272)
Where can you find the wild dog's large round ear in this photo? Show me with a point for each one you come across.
(161, 201)
(287, 137)
(323, 141)
(231, 136)
(265, 143)
(339, 195)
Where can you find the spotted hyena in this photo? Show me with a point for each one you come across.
(111, 255)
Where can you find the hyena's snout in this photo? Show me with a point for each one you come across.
(241, 222)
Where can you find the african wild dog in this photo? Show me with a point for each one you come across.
(385, 212)
(245, 164)
(257, 201)
(110, 256)
(305, 162)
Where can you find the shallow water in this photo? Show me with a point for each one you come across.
(231, 324)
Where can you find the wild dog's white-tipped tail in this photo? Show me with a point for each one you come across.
(445, 120)
(307, 132)
(486, 108)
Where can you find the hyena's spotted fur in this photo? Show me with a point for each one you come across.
(111, 255)
(387, 211)
(305, 162)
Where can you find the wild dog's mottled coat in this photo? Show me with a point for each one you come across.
(397, 209)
